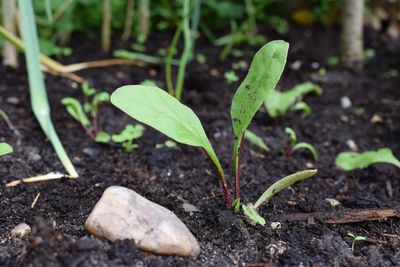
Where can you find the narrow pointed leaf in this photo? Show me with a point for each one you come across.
(349, 161)
(37, 88)
(307, 146)
(282, 184)
(255, 140)
(264, 73)
(75, 109)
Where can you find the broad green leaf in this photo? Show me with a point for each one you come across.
(279, 103)
(75, 109)
(158, 109)
(102, 137)
(349, 161)
(292, 136)
(252, 214)
(255, 140)
(282, 184)
(5, 149)
(307, 146)
(264, 73)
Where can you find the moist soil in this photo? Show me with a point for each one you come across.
(174, 176)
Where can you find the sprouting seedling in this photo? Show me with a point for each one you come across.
(231, 76)
(279, 103)
(355, 238)
(251, 209)
(301, 145)
(255, 140)
(349, 161)
(5, 149)
(90, 108)
(161, 111)
(126, 137)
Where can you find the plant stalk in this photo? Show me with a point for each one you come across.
(106, 28)
(10, 55)
(128, 19)
(168, 61)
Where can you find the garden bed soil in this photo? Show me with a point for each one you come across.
(173, 176)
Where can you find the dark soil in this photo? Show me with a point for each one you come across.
(173, 176)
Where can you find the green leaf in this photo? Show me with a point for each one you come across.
(307, 146)
(282, 184)
(236, 205)
(87, 90)
(102, 137)
(255, 140)
(169, 144)
(158, 109)
(303, 106)
(264, 73)
(279, 103)
(349, 161)
(231, 76)
(75, 109)
(252, 214)
(5, 149)
(292, 136)
(129, 133)
(98, 99)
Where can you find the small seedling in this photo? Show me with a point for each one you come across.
(255, 140)
(279, 103)
(126, 137)
(5, 149)
(355, 238)
(90, 108)
(301, 145)
(231, 76)
(349, 161)
(158, 109)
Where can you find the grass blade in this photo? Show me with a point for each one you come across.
(39, 101)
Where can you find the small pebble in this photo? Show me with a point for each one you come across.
(352, 145)
(276, 225)
(376, 119)
(189, 207)
(20, 231)
(345, 102)
(333, 202)
(296, 65)
(122, 213)
(12, 100)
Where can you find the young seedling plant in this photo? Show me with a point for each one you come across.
(293, 146)
(158, 109)
(90, 108)
(349, 161)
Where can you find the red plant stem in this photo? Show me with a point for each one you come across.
(237, 177)
(228, 200)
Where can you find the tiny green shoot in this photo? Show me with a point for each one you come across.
(90, 108)
(349, 161)
(355, 238)
(5, 149)
(255, 140)
(279, 103)
(231, 77)
(301, 145)
(126, 137)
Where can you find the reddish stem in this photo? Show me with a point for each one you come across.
(237, 178)
(228, 200)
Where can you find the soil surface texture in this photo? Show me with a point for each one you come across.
(182, 174)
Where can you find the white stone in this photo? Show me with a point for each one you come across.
(122, 213)
(345, 102)
(333, 202)
(275, 225)
(352, 145)
(20, 231)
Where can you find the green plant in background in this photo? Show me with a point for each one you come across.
(90, 108)
(349, 161)
(39, 100)
(5, 149)
(279, 103)
(255, 140)
(355, 238)
(301, 145)
(158, 109)
(126, 137)
(231, 76)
